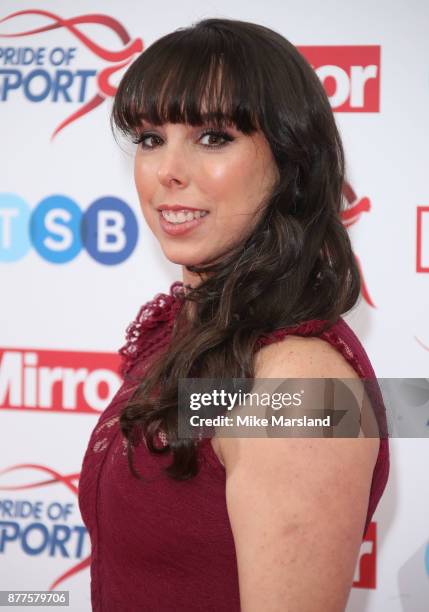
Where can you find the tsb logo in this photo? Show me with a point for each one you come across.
(58, 229)
(349, 74)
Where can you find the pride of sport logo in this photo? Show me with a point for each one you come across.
(56, 73)
(43, 524)
(58, 229)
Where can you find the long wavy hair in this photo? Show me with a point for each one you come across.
(298, 262)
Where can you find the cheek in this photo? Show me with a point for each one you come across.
(145, 188)
(234, 185)
(139, 177)
(145, 184)
(222, 180)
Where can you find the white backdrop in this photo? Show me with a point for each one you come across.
(65, 307)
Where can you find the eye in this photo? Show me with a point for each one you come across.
(145, 137)
(217, 134)
(141, 139)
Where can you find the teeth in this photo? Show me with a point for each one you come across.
(182, 215)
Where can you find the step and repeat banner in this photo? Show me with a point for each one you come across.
(67, 300)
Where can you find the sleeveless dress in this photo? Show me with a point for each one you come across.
(162, 545)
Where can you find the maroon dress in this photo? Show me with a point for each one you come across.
(162, 545)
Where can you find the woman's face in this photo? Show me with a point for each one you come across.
(226, 174)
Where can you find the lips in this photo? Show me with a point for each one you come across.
(177, 207)
(179, 229)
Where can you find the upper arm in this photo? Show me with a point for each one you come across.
(297, 506)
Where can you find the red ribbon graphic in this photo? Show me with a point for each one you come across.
(424, 346)
(349, 216)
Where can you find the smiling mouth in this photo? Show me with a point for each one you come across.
(182, 216)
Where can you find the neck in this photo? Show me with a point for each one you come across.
(190, 278)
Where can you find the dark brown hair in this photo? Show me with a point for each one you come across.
(297, 264)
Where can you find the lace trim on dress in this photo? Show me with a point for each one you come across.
(139, 343)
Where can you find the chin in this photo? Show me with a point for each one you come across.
(181, 258)
(177, 256)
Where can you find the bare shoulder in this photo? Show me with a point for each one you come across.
(306, 356)
(299, 357)
(308, 497)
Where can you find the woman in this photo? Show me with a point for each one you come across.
(239, 169)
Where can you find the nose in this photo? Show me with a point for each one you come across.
(172, 169)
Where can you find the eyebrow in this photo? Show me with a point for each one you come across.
(220, 124)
